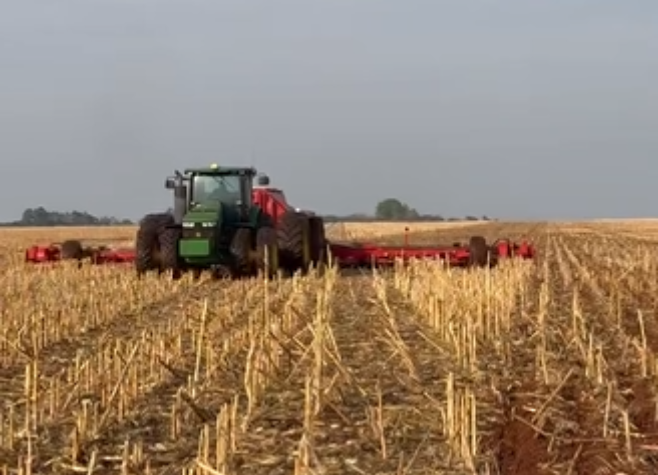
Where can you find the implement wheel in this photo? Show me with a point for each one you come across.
(478, 252)
(72, 249)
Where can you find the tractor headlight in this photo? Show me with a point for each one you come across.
(203, 225)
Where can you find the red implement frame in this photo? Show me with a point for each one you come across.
(358, 255)
(53, 253)
(344, 255)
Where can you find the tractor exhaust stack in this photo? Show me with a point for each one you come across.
(177, 183)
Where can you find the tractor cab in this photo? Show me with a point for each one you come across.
(213, 186)
(210, 205)
(210, 189)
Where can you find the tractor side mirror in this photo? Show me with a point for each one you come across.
(263, 180)
(170, 183)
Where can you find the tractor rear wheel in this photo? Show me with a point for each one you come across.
(478, 252)
(241, 248)
(72, 249)
(318, 241)
(267, 249)
(169, 260)
(221, 272)
(293, 237)
(147, 243)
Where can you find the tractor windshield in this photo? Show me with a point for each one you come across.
(213, 188)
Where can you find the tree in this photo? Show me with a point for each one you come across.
(392, 208)
(389, 208)
(42, 217)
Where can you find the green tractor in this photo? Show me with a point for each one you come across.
(215, 225)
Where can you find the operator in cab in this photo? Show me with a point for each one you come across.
(222, 193)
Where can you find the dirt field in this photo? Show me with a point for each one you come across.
(530, 368)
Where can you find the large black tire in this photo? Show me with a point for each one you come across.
(241, 248)
(478, 252)
(318, 241)
(147, 242)
(169, 257)
(222, 273)
(293, 237)
(267, 249)
(72, 249)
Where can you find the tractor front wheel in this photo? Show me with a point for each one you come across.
(267, 249)
(318, 241)
(169, 260)
(147, 243)
(241, 248)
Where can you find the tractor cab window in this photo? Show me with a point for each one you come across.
(214, 188)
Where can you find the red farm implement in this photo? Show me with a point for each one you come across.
(223, 223)
(477, 253)
(343, 255)
(102, 255)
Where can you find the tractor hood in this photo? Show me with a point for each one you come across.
(203, 214)
(210, 214)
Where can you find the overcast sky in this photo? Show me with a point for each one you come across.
(516, 108)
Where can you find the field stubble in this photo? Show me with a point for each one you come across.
(544, 367)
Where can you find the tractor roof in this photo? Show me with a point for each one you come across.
(215, 169)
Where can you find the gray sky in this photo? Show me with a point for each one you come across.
(522, 109)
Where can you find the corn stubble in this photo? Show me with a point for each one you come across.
(545, 367)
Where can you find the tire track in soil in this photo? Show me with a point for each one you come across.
(55, 357)
(343, 438)
(54, 360)
(275, 426)
(566, 275)
(629, 299)
(53, 436)
(151, 414)
(515, 446)
(635, 394)
(404, 390)
(619, 285)
(640, 393)
(507, 445)
(518, 446)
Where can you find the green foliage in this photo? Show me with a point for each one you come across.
(390, 209)
(42, 217)
(393, 209)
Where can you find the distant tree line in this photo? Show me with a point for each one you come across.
(427, 218)
(392, 209)
(43, 217)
